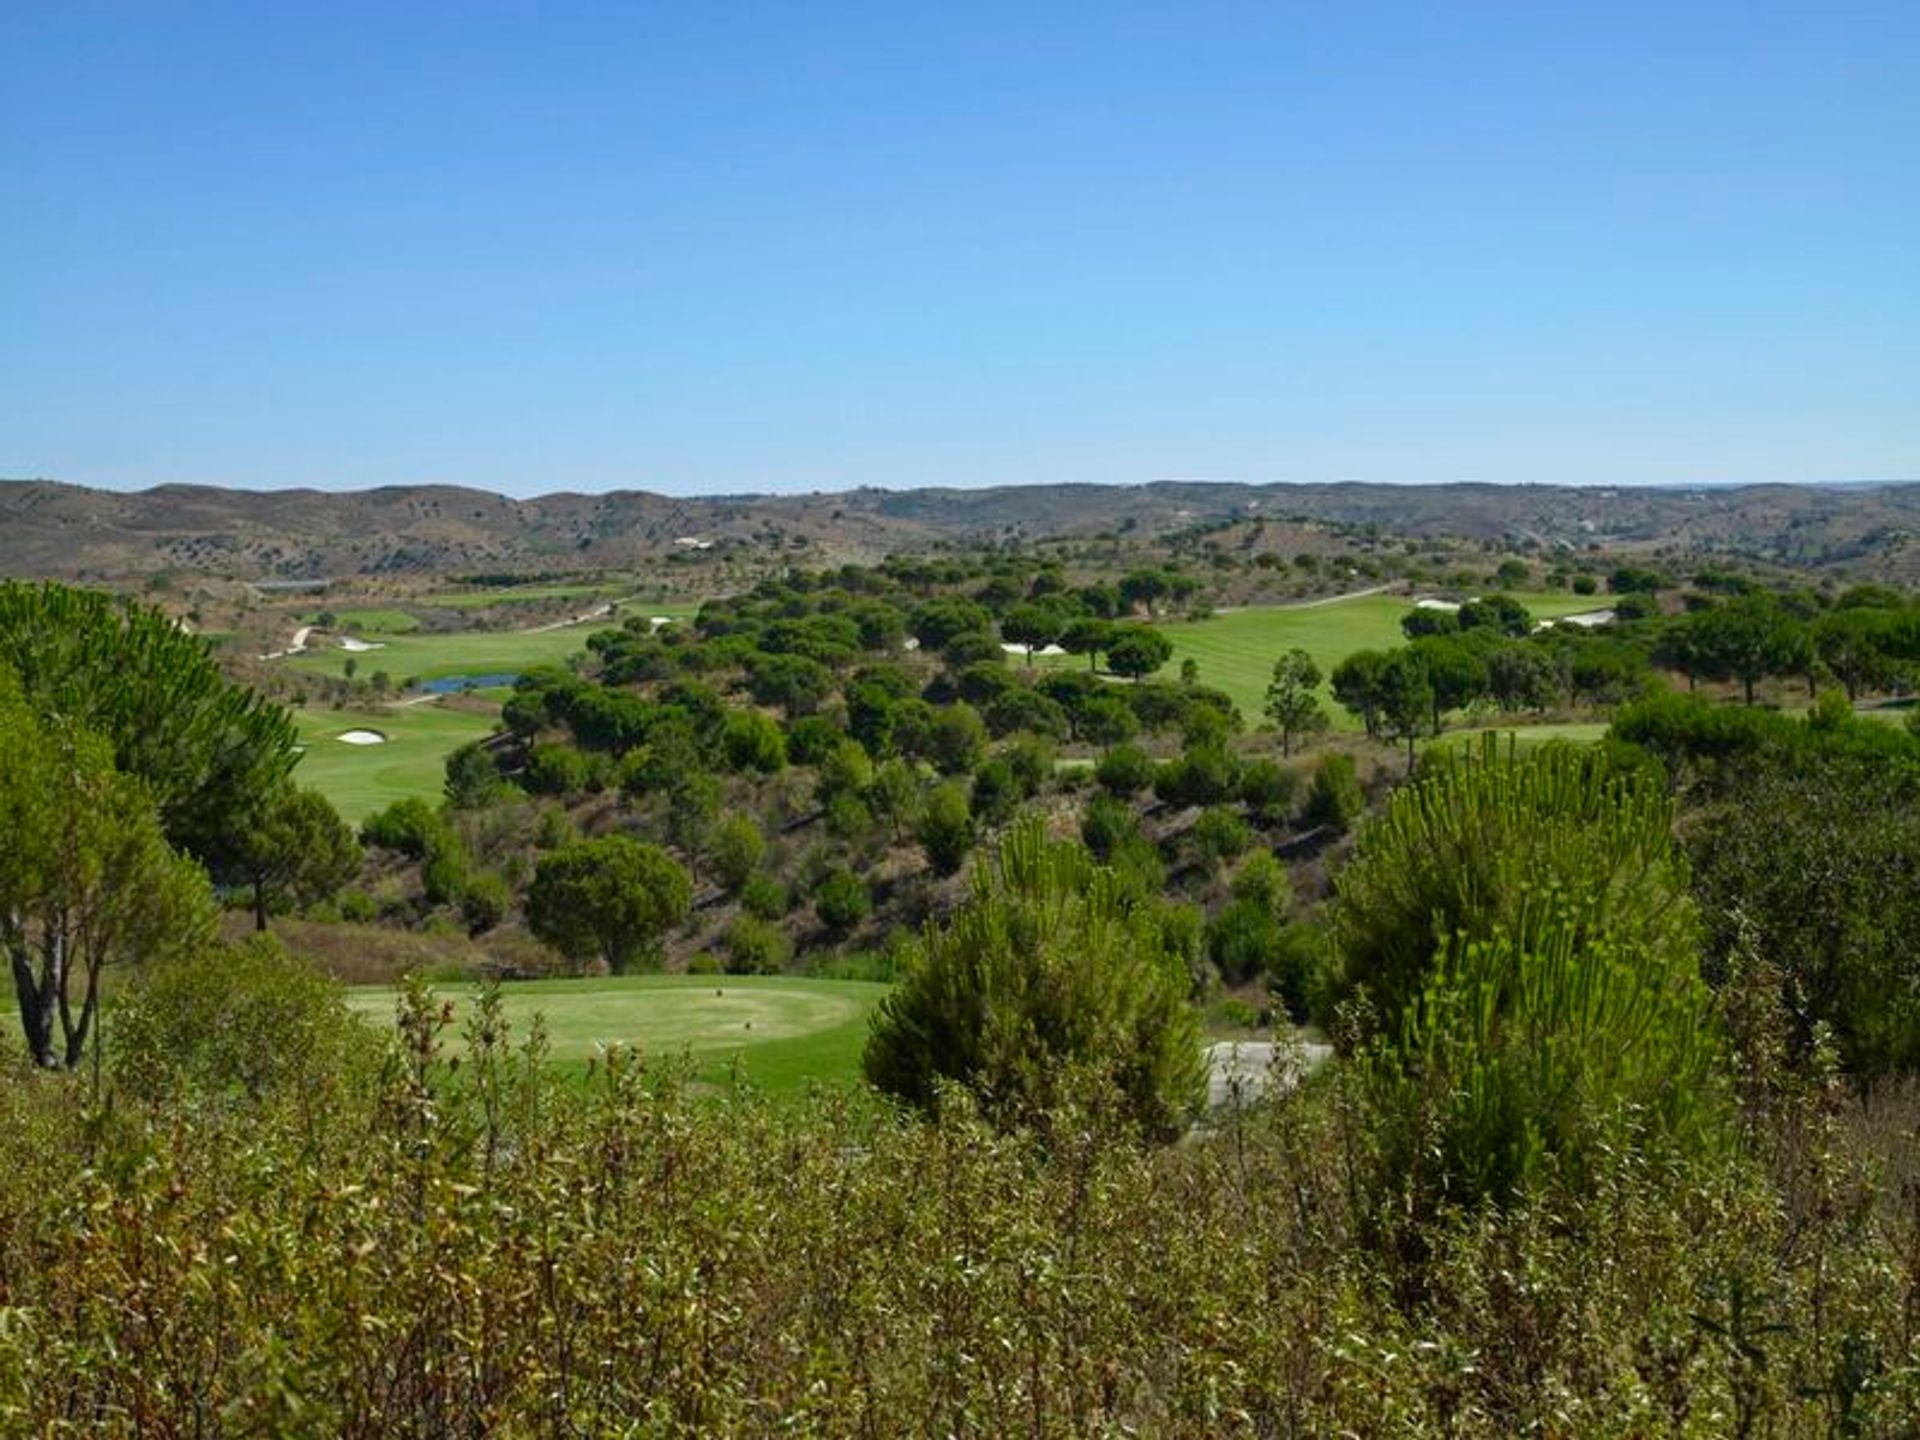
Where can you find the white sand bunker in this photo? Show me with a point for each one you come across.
(361, 737)
(348, 642)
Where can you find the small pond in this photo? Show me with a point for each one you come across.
(454, 684)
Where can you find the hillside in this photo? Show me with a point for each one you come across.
(49, 528)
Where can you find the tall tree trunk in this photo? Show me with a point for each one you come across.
(259, 903)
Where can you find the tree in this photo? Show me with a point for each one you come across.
(87, 879)
(1144, 588)
(1032, 627)
(1087, 636)
(1521, 677)
(841, 900)
(205, 748)
(296, 849)
(957, 739)
(1049, 986)
(1500, 613)
(1136, 651)
(473, 777)
(1456, 674)
(610, 899)
(1406, 698)
(1746, 639)
(735, 851)
(1855, 644)
(752, 741)
(1293, 698)
(1356, 686)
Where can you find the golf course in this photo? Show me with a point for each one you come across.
(408, 760)
(780, 1033)
(1236, 649)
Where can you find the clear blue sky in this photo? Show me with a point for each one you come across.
(710, 246)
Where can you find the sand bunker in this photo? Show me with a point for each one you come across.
(361, 737)
(348, 642)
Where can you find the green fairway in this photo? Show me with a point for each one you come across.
(1236, 649)
(360, 779)
(471, 652)
(780, 1032)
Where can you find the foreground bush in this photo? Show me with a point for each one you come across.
(495, 1250)
(1049, 984)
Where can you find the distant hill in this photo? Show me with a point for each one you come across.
(52, 529)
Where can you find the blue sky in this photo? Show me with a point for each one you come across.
(714, 247)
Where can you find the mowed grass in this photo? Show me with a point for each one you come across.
(360, 779)
(472, 652)
(522, 595)
(469, 652)
(770, 1030)
(1236, 649)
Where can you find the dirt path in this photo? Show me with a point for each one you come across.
(299, 644)
(1309, 604)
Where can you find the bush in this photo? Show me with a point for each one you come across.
(473, 777)
(408, 826)
(1296, 969)
(1269, 790)
(996, 793)
(1489, 846)
(1242, 941)
(1203, 775)
(556, 769)
(1219, 835)
(756, 947)
(444, 875)
(484, 902)
(1334, 797)
(735, 850)
(1125, 770)
(841, 901)
(248, 1020)
(1105, 823)
(1047, 986)
(764, 897)
(945, 830)
(1516, 1063)
(752, 741)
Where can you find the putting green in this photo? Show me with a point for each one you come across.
(411, 761)
(780, 1032)
(1236, 648)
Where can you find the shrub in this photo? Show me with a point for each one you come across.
(841, 901)
(1513, 1060)
(752, 741)
(1045, 987)
(1242, 941)
(735, 851)
(444, 875)
(1202, 775)
(1489, 846)
(1125, 770)
(945, 830)
(1106, 822)
(756, 947)
(473, 777)
(1296, 969)
(996, 793)
(1269, 790)
(1219, 835)
(1334, 797)
(249, 1020)
(484, 902)
(408, 826)
(764, 896)
(555, 769)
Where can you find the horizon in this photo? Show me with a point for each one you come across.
(537, 250)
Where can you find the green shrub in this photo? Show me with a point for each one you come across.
(1269, 790)
(842, 901)
(610, 899)
(756, 947)
(1243, 940)
(1488, 845)
(945, 830)
(1125, 770)
(735, 850)
(1334, 797)
(249, 1020)
(485, 901)
(555, 769)
(408, 826)
(765, 897)
(1046, 986)
(1220, 835)
(1513, 1060)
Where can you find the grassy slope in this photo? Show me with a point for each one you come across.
(781, 1032)
(360, 779)
(1236, 650)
